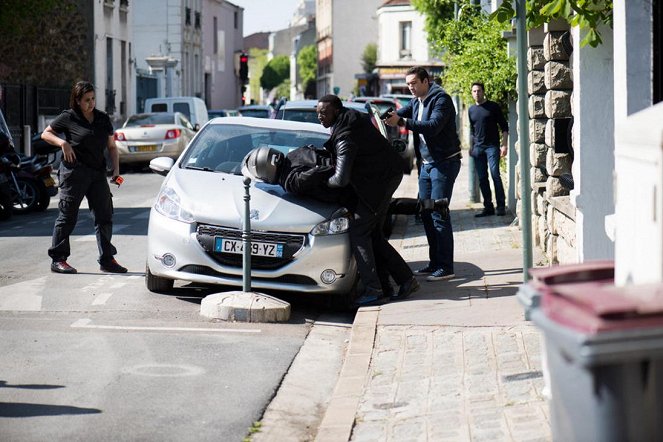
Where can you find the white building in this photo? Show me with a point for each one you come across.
(344, 29)
(113, 70)
(169, 34)
(402, 43)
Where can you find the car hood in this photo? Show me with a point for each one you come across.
(218, 198)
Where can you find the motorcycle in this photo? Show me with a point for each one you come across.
(26, 183)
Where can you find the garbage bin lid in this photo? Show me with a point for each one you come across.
(596, 306)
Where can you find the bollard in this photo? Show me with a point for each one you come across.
(246, 238)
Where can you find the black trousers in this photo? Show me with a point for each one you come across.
(370, 246)
(75, 183)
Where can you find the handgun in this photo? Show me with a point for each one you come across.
(386, 113)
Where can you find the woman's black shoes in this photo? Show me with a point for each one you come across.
(62, 267)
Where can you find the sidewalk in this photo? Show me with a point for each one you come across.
(454, 362)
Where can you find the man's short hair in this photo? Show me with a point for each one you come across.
(421, 73)
(480, 84)
(333, 100)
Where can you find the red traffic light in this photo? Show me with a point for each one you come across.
(243, 59)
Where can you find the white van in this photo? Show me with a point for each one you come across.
(194, 108)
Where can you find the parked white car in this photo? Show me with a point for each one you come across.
(147, 136)
(195, 227)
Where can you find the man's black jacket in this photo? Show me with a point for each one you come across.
(363, 158)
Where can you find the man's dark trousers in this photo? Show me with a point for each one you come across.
(76, 183)
(368, 242)
(436, 180)
(489, 157)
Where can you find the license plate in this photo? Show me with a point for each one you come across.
(146, 148)
(223, 245)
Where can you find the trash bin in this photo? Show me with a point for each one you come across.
(529, 294)
(604, 349)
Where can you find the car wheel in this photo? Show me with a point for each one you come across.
(157, 284)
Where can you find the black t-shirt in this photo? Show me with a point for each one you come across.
(89, 140)
(484, 119)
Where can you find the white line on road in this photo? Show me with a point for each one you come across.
(85, 323)
(22, 296)
(101, 298)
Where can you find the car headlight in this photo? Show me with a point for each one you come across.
(340, 223)
(168, 204)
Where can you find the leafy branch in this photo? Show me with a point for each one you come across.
(588, 15)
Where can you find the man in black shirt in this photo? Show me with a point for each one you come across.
(485, 117)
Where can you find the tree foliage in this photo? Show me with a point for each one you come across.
(472, 48)
(586, 14)
(307, 61)
(275, 72)
(369, 57)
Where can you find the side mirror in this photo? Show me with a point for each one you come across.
(399, 146)
(162, 165)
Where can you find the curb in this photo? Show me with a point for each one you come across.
(339, 418)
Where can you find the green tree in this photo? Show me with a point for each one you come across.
(472, 48)
(307, 62)
(369, 57)
(257, 62)
(275, 72)
(586, 14)
(283, 89)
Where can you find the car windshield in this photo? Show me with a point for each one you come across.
(305, 115)
(222, 147)
(149, 119)
(256, 113)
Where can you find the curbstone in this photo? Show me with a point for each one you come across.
(245, 307)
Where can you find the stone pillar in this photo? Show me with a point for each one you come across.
(593, 140)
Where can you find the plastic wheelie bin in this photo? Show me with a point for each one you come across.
(604, 349)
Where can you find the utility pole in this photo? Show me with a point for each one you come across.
(523, 138)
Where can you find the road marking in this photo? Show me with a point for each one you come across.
(85, 323)
(101, 298)
(164, 370)
(22, 296)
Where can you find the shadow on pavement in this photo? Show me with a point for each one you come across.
(15, 409)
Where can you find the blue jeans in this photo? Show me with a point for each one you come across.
(436, 180)
(489, 157)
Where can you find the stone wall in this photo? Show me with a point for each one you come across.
(550, 87)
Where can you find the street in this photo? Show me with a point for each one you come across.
(96, 356)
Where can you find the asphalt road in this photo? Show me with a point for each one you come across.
(95, 356)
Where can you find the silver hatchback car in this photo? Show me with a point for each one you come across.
(195, 227)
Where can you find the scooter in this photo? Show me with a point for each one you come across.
(28, 183)
(40, 166)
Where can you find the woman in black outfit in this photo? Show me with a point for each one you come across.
(82, 173)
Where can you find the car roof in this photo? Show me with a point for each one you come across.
(269, 123)
(299, 104)
(255, 106)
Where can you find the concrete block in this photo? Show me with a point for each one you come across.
(536, 106)
(565, 227)
(244, 307)
(537, 154)
(558, 163)
(536, 36)
(554, 48)
(551, 249)
(537, 130)
(566, 253)
(554, 188)
(557, 104)
(538, 175)
(558, 76)
(535, 59)
(542, 228)
(536, 83)
(541, 202)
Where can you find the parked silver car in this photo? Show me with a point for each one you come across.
(195, 226)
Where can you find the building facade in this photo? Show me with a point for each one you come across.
(402, 43)
(222, 44)
(344, 29)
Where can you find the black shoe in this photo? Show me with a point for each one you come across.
(442, 206)
(370, 297)
(62, 267)
(500, 211)
(485, 212)
(112, 267)
(407, 288)
(440, 275)
(425, 271)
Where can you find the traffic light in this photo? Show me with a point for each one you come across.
(243, 67)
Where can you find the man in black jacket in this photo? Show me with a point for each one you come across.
(365, 163)
(431, 116)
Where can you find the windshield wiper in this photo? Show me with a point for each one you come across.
(204, 169)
